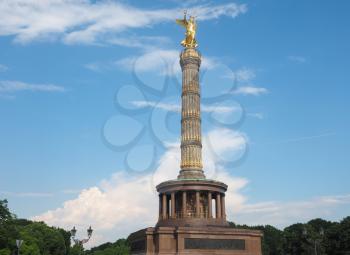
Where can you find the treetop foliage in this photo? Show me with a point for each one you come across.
(40, 239)
(317, 236)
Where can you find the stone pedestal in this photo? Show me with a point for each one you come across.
(199, 240)
(187, 224)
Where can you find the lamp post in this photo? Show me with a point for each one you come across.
(80, 242)
(19, 243)
(316, 240)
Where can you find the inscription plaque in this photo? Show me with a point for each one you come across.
(214, 244)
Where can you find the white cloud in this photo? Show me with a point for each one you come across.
(306, 138)
(84, 21)
(70, 191)
(96, 67)
(206, 12)
(250, 90)
(219, 108)
(159, 61)
(7, 97)
(126, 203)
(298, 59)
(257, 115)
(3, 68)
(162, 106)
(282, 214)
(27, 194)
(177, 108)
(245, 76)
(141, 42)
(241, 75)
(15, 86)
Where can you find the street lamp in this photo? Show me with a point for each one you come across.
(80, 242)
(89, 232)
(316, 241)
(19, 243)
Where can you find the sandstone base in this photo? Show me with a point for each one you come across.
(190, 240)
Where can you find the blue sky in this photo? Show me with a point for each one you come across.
(79, 80)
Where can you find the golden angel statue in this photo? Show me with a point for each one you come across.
(191, 27)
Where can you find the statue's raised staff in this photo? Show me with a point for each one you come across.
(191, 27)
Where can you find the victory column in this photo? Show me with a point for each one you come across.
(192, 213)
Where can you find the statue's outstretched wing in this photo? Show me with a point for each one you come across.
(181, 22)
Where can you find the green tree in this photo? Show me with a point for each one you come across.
(67, 238)
(344, 236)
(8, 231)
(5, 251)
(331, 240)
(272, 241)
(292, 239)
(5, 213)
(39, 239)
(320, 224)
(120, 247)
(318, 236)
(76, 249)
(29, 249)
(49, 240)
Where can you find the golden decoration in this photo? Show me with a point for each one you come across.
(191, 27)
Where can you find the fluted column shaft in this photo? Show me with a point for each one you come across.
(218, 206)
(184, 204)
(210, 212)
(160, 207)
(197, 204)
(191, 137)
(223, 207)
(173, 205)
(164, 206)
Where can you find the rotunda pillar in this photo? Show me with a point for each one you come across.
(210, 211)
(223, 209)
(218, 206)
(197, 204)
(164, 205)
(184, 204)
(173, 205)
